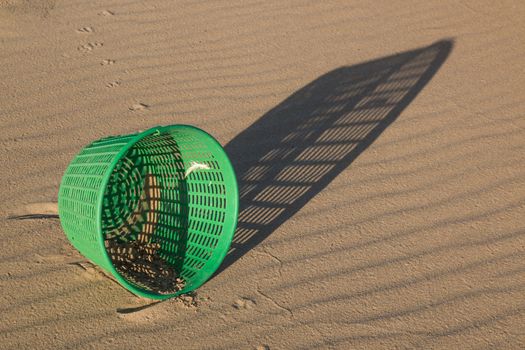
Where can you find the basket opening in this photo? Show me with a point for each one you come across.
(145, 215)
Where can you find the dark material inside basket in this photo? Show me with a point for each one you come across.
(145, 215)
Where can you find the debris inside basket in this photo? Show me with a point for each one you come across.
(140, 263)
(136, 257)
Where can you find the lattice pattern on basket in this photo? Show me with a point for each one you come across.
(79, 192)
(161, 222)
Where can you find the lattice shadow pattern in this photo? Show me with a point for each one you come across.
(296, 149)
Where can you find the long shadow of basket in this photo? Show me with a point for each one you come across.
(296, 149)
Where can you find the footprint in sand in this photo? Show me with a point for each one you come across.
(138, 107)
(89, 271)
(157, 310)
(86, 48)
(113, 84)
(189, 300)
(85, 30)
(41, 210)
(107, 13)
(65, 257)
(244, 303)
(145, 314)
(262, 347)
(107, 62)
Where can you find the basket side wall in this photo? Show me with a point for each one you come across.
(81, 192)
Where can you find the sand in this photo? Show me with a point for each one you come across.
(380, 150)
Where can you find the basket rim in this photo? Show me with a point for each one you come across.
(98, 217)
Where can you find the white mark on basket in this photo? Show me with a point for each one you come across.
(195, 166)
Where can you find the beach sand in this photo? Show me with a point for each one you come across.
(380, 151)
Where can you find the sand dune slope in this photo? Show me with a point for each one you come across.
(380, 151)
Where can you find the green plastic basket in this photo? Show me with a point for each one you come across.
(166, 196)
